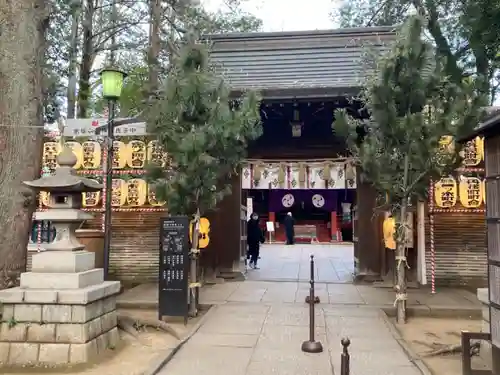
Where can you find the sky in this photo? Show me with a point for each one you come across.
(286, 15)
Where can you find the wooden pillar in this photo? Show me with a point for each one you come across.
(368, 254)
(421, 265)
(334, 226)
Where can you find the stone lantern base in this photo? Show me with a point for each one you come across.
(63, 312)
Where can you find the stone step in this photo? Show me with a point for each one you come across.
(39, 280)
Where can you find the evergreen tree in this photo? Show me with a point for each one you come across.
(204, 132)
(205, 135)
(413, 105)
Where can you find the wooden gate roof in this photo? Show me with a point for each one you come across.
(307, 63)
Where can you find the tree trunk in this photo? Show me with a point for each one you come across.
(193, 268)
(401, 262)
(73, 60)
(87, 60)
(155, 11)
(401, 250)
(22, 45)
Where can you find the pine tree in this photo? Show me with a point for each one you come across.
(205, 134)
(412, 106)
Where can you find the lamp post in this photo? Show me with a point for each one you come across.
(112, 83)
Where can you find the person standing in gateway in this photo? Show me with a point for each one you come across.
(289, 223)
(255, 237)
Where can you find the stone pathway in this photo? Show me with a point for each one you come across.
(262, 339)
(333, 263)
(258, 325)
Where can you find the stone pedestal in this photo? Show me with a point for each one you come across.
(63, 312)
(482, 296)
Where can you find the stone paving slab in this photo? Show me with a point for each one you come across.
(333, 263)
(258, 339)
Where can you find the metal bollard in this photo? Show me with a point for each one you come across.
(312, 346)
(311, 263)
(344, 357)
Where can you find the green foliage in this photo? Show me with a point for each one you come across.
(412, 105)
(205, 134)
(465, 33)
(363, 13)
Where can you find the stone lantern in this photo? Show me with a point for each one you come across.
(64, 311)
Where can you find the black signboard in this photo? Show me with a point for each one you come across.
(174, 266)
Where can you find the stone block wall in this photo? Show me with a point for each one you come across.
(57, 333)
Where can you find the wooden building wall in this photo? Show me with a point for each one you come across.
(135, 240)
(134, 245)
(460, 248)
(368, 238)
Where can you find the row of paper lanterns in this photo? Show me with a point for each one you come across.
(133, 154)
(469, 191)
(131, 193)
(472, 153)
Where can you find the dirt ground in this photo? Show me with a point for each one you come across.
(132, 357)
(423, 334)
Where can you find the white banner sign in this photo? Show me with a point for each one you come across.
(86, 127)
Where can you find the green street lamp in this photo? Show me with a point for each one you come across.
(112, 84)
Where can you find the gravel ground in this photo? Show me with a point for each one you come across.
(439, 331)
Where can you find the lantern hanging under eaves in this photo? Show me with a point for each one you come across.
(136, 192)
(91, 157)
(136, 154)
(152, 200)
(445, 192)
(120, 155)
(296, 130)
(119, 193)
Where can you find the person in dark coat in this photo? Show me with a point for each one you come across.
(255, 237)
(289, 228)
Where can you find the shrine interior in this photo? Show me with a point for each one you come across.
(300, 133)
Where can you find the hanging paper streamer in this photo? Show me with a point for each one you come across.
(77, 150)
(136, 192)
(136, 154)
(471, 192)
(445, 192)
(91, 158)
